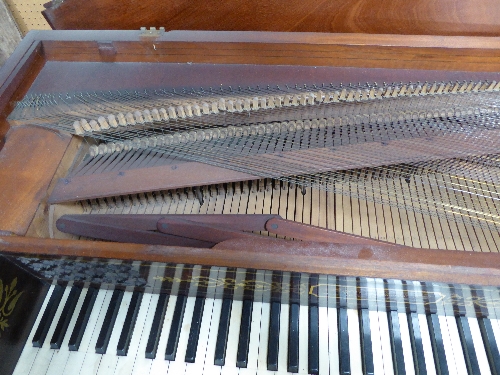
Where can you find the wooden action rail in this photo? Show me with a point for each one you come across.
(334, 259)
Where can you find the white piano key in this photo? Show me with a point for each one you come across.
(28, 354)
(284, 313)
(141, 364)
(452, 330)
(448, 349)
(457, 345)
(77, 359)
(406, 344)
(477, 338)
(324, 363)
(426, 343)
(480, 350)
(333, 333)
(492, 295)
(354, 342)
(44, 355)
(353, 327)
(125, 364)
(304, 324)
(383, 323)
(234, 326)
(206, 320)
(61, 356)
(253, 347)
(424, 330)
(110, 359)
(386, 342)
(443, 324)
(208, 366)
(160, 366)
(378, 364)
(404, 329)
(178, 366)
(265, 321)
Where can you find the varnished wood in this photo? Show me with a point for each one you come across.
(66, 61)
(351, 16)
(142, 180)
(28, 162)
(348, 260)
(18, 314)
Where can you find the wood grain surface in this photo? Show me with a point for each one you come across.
(28, 162)
(422, 17)
(343, 260)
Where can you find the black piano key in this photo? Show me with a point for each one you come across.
(396, 343)
(467, 345)
(246, 321)
(199, 304)
(109, 322)
(313, 336)
(175, 328)
(274, 332)
(344, 356)
(490, 344)
(66, 315)
(313, 357)
(394, 328)
(194, 333)
(414, 328)
(178, 317)
(366, 342)
(156, 327)
(416, 344)
(293, 338)
(161, 308)
(457, 300)
(82, 320)
(429, 300)
(244, 339)
(48, 316)
(128, 327)
(478, 295)
(293, 323)
(222, 333)
(364, 327)
(437, 344)
(274, 322)
(409, 295)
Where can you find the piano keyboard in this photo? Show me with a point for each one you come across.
(303, 323)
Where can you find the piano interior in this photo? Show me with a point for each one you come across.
(390, 145)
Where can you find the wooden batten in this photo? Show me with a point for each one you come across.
(344, 260)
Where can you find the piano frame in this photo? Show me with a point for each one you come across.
(31, 159)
